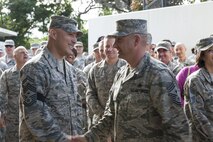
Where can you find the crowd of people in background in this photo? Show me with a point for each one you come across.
(128, 89)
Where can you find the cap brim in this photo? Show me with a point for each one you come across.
(118, 34)
(206, 48)
(95, 48)
(161, 47)
(71, 30)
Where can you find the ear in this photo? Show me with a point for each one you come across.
(136, 39)
(53, 33)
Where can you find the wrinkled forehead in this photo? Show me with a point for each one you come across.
(21, 50)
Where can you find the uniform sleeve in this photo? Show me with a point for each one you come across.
(82, 83)
(104, 127)
(3, 93)
(91, 95)
(35, 112)
(196, 100)
(166, 100)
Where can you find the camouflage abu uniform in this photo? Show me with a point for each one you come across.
(9, 62)
(144, 106)
(100, 80)
(10, 90)
(198, 91)
(199, 100)
(50, 105)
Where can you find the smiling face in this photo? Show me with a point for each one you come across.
(63, 42)
(109, 50)
(164, 55)
(9, 49)
(124, 46)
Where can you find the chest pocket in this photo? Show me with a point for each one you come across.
(134, 99)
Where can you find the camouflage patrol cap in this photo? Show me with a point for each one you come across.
(204, 44)
(130, 26)
(9, 42)
(163, 45)
(35, 46)
(66, 24)
(95, 46)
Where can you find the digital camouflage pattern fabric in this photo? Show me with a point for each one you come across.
(199, 105)
(100, 80)
(49, 103)
(144, 105)
(9, 102)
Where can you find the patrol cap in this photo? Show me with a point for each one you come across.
(65, 23)
(130, 26)
(35, 46)
(95, 46)
(78, 43)
(204, 44)
(9, 42)
(163, 45)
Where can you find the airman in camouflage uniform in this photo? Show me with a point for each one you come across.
(199, 94)
(144, 103)
(100, 79)
(8, 57)
(182, 60)
(80, 60)
(164, 54)
(49, 103)
(9, 95)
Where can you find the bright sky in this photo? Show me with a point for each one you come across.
(79, 5)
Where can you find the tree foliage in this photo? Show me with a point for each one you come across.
(24, 15)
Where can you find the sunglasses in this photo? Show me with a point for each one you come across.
(9, 46)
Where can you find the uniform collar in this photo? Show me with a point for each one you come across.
(53, 62)
(206, 75)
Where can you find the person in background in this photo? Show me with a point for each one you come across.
(182, 60)
(86, 70)
(9, 95)
(81, 81)
(102, 74)
(34, 47)
(101, 49)
(80, 59)
(71, 57)
(164, 54)
(172, 48)
(144, 103)
(183, 74)
(198, 91)
(50, 106)
(8, 57)
(97, 57)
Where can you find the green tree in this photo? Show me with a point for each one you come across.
(25, 15)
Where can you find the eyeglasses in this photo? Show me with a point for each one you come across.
(9, 46)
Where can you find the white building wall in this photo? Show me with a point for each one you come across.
(186, 23)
